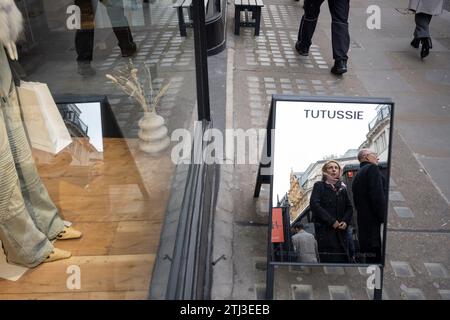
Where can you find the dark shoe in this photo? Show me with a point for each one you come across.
(85, 69)
(415, 43)
(129, 51)
(426, 46)
(301, 50)
(340, 67)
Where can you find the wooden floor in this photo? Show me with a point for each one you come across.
(118, 202)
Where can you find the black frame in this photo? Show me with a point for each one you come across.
(269, 145)
(110, 127)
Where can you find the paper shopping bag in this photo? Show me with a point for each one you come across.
(43, 122)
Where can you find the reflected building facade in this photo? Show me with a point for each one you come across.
(378, 135)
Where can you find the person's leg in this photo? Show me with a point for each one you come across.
(422, 29)
(422, 33)
(308, 25)
(339, 10)
(84, 45)
(119, 22)
(125, 39)
(38, 202)
(84, 37)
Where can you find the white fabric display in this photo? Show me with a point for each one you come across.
(43, 122)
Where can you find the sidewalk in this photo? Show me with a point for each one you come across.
(381, 64)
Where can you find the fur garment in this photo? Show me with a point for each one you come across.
(11, 22)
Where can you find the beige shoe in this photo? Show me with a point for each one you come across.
(69, 233)
(58, 254)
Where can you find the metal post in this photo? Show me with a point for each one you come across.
(270, 281)
(378, 293)
(201, 61)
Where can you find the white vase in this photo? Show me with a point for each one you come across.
(152, 133)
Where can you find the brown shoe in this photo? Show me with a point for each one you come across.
(69, 233)
(58, 254)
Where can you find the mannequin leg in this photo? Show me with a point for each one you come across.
(23, 243)
(39, 205)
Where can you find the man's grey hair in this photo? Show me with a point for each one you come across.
(362, 153)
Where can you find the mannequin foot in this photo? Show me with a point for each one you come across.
(69, 233)
(58, 254)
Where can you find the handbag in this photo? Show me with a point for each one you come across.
(42, 119)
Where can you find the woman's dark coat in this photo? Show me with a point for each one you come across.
(329, 206)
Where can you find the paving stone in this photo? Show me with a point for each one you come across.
(300, 269)
(260, 263)
(225, 201)
(263, 208)
(363, 271)
(445, 294)
(402, 269)
(396, 196)
(339, 293)
(334, 270)
(260, 291)
(392, 183)
(404, 212)
(302, 292)
(412, 294)
(436, 270)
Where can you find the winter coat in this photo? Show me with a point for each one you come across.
(370, 203)
(305, 246)
(327, 206)
(10, 22)
(433, 7)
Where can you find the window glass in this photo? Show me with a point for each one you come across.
(104, 85)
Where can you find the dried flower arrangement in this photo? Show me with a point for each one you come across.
(127, 79)
(153, 133)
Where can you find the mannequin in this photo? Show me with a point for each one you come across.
(28, 217)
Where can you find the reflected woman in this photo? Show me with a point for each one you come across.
(332, 214)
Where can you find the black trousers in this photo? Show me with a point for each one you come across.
(422, 25)
(84, 41)
(339, 10)
(84, 37)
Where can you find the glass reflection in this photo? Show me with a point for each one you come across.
(330, 165)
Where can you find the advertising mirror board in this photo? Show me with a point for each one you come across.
(330, 179)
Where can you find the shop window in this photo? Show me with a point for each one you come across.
(115, 181)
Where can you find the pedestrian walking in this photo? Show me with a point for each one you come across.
(424, 11)
(340, 37)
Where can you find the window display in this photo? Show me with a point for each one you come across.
(29, 219)
(87, 112)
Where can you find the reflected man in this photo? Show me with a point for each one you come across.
(305, 245)
(370, 203)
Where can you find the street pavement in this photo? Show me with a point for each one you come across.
(381, 64)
